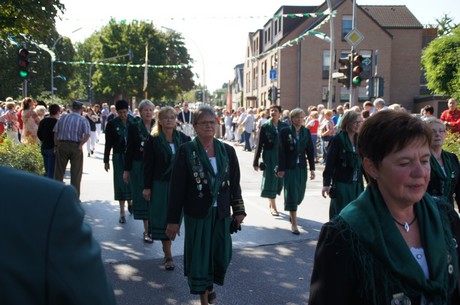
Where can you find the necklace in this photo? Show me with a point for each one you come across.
(406, 225)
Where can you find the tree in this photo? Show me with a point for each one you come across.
(441, 60)
(445, 25)
(29, 17)
(108, 52)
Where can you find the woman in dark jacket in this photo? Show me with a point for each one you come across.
(394, 244)
(159, 157)
(445, 168)
(268, 148)
(138, 134)
(295, 147)
(205, 184)
(342, 176)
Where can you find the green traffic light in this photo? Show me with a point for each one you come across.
(357, 80)
(23, 74)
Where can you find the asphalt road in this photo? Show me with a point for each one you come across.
(270, 265)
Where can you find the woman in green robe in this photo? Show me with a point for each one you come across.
(205, 185)
(116, 137)
(295, 147)
(268, 147)
(138, 135)
(160, 152)
(342, 175)
(444, 179)
(394, 244)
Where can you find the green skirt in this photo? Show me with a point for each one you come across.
(271, 184)
(207, 251)
(140, 205)
(122, 190)
(346, 193)
(295, 183)
(158, 209)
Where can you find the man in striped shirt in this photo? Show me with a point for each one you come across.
(70, 133)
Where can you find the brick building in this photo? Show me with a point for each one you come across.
(284, 54)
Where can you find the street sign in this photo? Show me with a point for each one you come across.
(354, 37)
(367, 61)
(337, 75)
(273, 74)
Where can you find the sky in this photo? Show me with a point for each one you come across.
(215, 32)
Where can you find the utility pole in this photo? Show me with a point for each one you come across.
(331, 56)
(146, 70)
(353, 26)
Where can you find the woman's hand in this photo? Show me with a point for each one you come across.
(325, 191)
(239, 219)
(146, 193)
(280, 174)
(126, 177)
(312, 175)
(172, 230)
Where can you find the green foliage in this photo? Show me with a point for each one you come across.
(452, 143)
(29, 17)
(114, 42)
(441, 60)
(445, 25)
(26, 157)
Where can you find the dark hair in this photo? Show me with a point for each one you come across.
(26, 103)
(429, 108)
(386, 132)
(277, 107)
(121, 104)
(54, 109)
(365, 114)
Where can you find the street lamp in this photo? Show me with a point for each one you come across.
(53, 59)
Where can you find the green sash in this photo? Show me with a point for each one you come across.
(370, 220)
(222, 161)
(301, 143)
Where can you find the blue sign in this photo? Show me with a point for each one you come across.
(273, 74)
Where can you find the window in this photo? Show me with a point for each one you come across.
(347, 21)
(276, 26)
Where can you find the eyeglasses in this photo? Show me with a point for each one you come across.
(169, 118)
(206, 123)
(357, 123)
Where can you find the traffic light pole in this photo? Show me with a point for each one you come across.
(353, 26)
(331, 58)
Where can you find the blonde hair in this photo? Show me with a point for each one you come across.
(157, 128)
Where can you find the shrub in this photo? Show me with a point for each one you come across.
(452, 143)
(26, 157)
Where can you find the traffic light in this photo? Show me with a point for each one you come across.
(270, 92)
(23, 63)
(370, 87)
(345, 70)
(199, 95)
(275, 94)
(357, 69)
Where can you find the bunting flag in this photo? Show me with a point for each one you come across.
(201, 18)
(297, 40)
(179, 66)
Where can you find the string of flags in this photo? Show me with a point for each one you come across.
(313, 32)
(179, 66)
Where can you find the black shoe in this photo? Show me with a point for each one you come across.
(130, 209)
(122, 219)
(92, 152)
(89, 155)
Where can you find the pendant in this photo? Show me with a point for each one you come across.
(200, 195)
(406, 227)
(199, 187)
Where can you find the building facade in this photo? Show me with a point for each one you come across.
(293, 55)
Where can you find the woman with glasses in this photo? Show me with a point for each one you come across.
(138, 134)
(445, 168)
(159, 155)
(205, 185)
(342, 175)
(295, 147)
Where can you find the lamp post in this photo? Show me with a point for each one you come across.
(53, 59)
